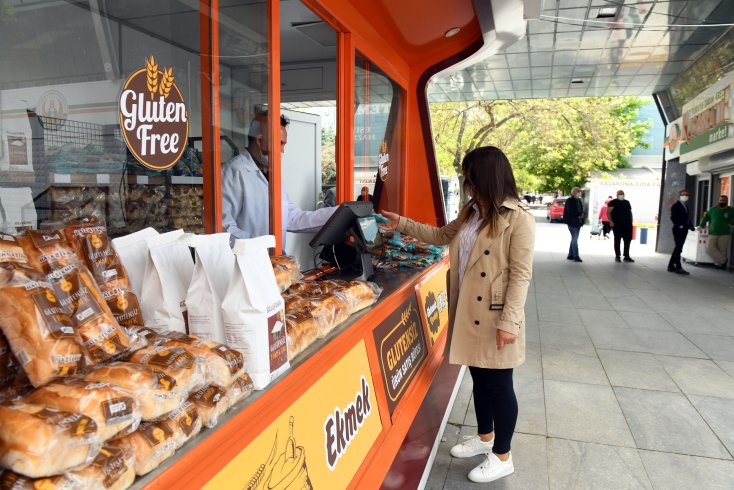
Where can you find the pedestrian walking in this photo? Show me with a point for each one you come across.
(491, 254)
(619, 214)
(720, 220)
(573, 216)
(681, 218)
(606, 227)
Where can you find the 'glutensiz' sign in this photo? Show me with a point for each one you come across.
(402, 349)
(153, 116)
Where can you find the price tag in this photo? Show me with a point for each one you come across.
(62, 178)
(103, 178)
(142, 179)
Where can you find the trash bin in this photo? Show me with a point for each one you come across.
(643, 236)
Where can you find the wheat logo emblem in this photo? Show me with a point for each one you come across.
(152, 69)
(167, 82)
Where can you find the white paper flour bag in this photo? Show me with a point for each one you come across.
(167, 278)
(253, 312)
(133, 252)
(214, 263)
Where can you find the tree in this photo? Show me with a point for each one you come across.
(553, 144)
(328, 156)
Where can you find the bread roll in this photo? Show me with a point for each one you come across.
(331, 309)
(38, 441)
(155, 392)
(100, 335)
(40, 332)
(151, 444)
(111, 408)
(302, 329)
(9, 480)
(112, 469)
(239, 390)
(282, 277)
(221, 364)
(176, 362)
(211, 402)
(296, 301)
(186, 421)
(11, 252)
(48, 250)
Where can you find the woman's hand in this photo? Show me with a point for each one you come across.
(504, 338)
(393, 223)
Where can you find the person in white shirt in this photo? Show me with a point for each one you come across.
(245, 190)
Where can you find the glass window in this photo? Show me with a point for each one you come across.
(68, 108)
(378, 136)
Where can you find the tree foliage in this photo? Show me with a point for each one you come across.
(553, 144)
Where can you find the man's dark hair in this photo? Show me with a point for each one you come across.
(261, 117)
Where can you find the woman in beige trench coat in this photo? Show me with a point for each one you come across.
(491, 253)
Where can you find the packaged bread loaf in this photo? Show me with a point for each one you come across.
(239, 390)
(211, 402)
(37, 327)
(100, 335)
(296, 300)
(156, 392)
(332, 309)
(360, 294)
(282, 277)
(302, 329)
(93, 246)
(290, 263)
(112, 409)
(112, 469)
(177, 362)
(221, 364)
(11, 252)
(151, 444)
(48, 250)
(39, 441)
(186, 422)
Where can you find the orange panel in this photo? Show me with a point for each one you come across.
(276, 217)
(345, 118)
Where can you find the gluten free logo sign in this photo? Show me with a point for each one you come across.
(153, 116)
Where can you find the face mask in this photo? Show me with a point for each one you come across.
(683, 198)
(722, 204)
(620, 197)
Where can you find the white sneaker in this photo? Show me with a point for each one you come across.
(493, 468)
(472, 446)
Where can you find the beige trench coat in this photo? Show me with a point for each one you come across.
(492, 295)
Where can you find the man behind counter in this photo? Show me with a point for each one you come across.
(245, 191)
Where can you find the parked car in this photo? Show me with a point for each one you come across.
(555, 210)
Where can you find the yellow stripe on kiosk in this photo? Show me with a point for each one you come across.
(320, 441)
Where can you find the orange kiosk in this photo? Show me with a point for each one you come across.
(339, 417)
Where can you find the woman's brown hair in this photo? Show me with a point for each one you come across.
(489, 180)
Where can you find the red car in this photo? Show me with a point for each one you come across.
(555, 209)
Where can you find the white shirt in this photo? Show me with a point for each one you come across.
(246, 203)
(467, 239)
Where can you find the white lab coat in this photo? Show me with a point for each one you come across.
(246, 203)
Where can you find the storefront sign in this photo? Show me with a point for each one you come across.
(402, 349)
(320, 441)
(153, 116)
(705, 126)
(434, 301)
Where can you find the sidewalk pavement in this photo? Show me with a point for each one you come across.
(629, 377)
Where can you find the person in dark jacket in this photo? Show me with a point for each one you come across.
(619, 212)
(681, 218)
(573, 216)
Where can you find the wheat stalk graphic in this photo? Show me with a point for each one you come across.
(152, 69)
(167, 82)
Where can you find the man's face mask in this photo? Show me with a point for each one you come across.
(683, 198)
(723, 203)
(620, 197)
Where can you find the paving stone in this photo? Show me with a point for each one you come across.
(596, 318)
(442, 461)
(532, 334)
(717, 412)
(558, 313)
(531, 406)
(582, 465)
(531, 367)
(461, 403)
(562, 365)
(678, 472)
(648, 320)
(727, 366)
(628, 303)
(669, 344)
(636, 370)
(716, 346)
(591, 301)
(572, 338)
(668, 422)
(585, 413)
(614, 338)
(699, 376)
(690, 323)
